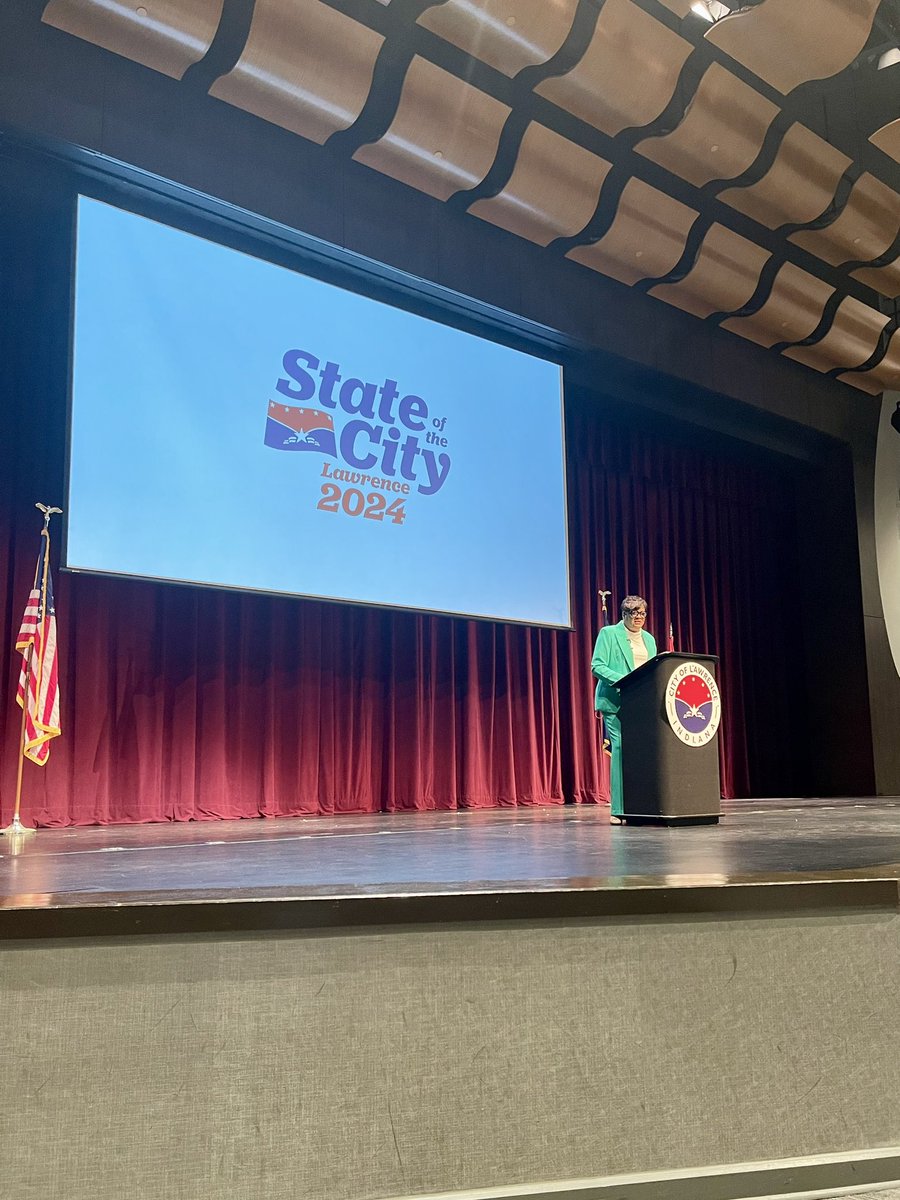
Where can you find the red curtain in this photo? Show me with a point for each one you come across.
(182, 703)
(185, 703)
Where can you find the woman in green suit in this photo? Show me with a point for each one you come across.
(619, 649)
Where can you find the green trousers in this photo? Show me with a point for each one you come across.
(613, 728)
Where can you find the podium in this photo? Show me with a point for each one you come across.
(670, 712)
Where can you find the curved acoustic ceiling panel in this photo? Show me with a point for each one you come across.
(646, 239)
(628, 73)
(886, 376)
(721, 134)
(792, 311)
(799, 185)
(864, 229)
(887, 139)
(885, 280)
(723, 278)
(444, 134)
(167, 35)
(636, 139)
(787, 42)
(552, 191)
(850, 341)
(507, 36)
(309, 72)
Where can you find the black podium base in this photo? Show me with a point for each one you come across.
(693, 819)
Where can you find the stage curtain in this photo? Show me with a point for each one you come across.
(186, 703)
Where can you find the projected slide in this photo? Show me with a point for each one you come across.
(237, 424)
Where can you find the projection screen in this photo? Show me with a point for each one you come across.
(238, 424)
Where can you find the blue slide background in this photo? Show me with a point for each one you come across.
(178, 346)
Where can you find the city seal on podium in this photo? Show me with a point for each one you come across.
(693, 704)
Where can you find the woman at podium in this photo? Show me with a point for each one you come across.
(618, 650)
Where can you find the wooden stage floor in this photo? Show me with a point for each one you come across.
(493, 864)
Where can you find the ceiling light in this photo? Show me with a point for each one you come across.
(710, 10)
(890, 58)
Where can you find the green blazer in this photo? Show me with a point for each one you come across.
(612, 659)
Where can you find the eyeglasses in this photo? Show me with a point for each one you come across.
(635, 612)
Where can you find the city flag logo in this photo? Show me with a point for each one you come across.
(693, 704)
(290, 428)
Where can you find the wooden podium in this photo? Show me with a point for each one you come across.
(671, 777)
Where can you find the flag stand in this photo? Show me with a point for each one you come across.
(16, 831)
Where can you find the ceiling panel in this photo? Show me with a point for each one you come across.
(787, 42)
(885, 280)
(636, 138)
(628, 74)
(444, 134)
(170, 38)
(507, 34)
(863, 230)
(723, 278)
(887, 139)
(849, 342)
(721, 134)
(309, 72)
(799, 185)
(552, 192)
(646, 239)
(885, 376)
(792, 311)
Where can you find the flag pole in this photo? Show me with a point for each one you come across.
(15, 829)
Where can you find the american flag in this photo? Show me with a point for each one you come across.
(39, 677)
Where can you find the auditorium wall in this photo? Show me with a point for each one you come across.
(59, 91)
(425, 1060)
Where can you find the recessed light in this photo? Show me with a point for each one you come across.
(142, 12)
(638, 254)
(510, 21)
(438, 154)
(714, 147)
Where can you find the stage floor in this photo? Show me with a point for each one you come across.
(482, 863)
